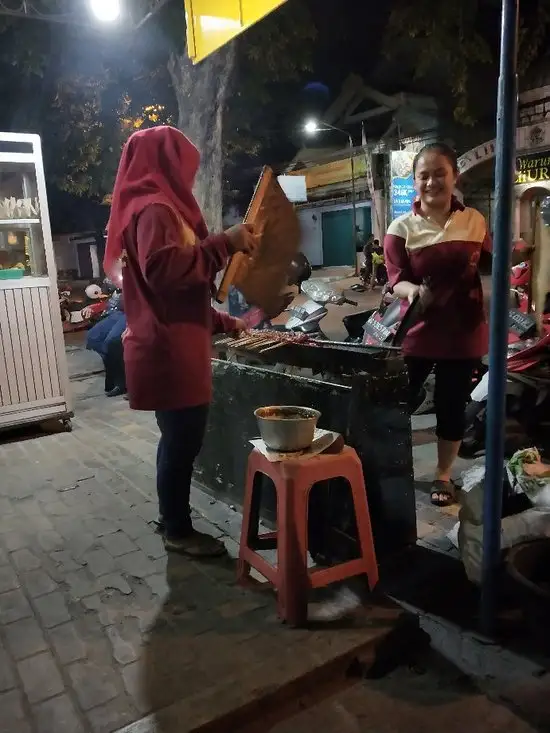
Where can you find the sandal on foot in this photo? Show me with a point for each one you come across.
(195, 545)
(443, 493)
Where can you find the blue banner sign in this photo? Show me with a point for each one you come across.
(402, 182)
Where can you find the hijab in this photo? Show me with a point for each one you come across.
(158, 166)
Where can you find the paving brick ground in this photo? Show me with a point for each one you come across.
(98, 628)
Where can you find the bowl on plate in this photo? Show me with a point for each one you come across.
(287, 428)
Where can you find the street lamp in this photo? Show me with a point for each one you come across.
(107, 11)
(312, 127)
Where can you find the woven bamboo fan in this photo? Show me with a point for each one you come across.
(263, 277)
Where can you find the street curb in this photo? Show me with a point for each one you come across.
(85, 375)
(275, 703)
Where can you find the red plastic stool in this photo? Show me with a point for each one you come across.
(293, 481)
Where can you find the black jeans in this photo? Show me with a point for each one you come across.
(181, 436)
(453, 384)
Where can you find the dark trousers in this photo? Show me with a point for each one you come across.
(106, 330)
(453, 384)
(181, 436)
(115, 374)
(105, 338)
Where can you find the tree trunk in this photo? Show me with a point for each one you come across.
(201, 92)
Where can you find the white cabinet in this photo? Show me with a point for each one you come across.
(34, 383)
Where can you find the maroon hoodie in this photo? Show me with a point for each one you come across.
(167, 278)
(157, 231)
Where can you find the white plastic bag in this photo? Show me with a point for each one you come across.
(528, 525)
(528, 474)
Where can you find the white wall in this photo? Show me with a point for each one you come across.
(65, 253)
(312, 235)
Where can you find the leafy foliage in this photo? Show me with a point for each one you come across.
(85, 93)
(273, 59)
(459, 38)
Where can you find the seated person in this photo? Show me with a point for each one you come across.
(105, 338)
(114, 367)
(366, 270)
(378, 263)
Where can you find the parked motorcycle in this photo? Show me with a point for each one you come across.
(299, 271)
(527, 388)
(355, 322)
(306, 318)
(100, 310)
(520, 287)
(93, 301)
(382, 326)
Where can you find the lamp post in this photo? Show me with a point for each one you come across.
(504, 189)
(311, 128)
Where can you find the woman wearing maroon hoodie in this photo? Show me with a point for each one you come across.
(158, 241)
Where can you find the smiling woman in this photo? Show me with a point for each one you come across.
(432, 253)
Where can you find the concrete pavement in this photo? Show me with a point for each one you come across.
(101, 632)
(99, 629)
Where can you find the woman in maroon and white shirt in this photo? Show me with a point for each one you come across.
(434, 252)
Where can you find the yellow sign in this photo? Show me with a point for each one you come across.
(533, 168)
(327, 174)
(213, 23)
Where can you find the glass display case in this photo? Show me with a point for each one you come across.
(34, 383)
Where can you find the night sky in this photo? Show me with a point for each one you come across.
(349, 40)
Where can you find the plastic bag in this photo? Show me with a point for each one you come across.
(522, 527)
(527, 473)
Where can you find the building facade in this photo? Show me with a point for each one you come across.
(532, 174)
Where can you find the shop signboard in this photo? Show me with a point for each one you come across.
(329, 174)
(534, 168)
(530, 137)
(402, 182)
(213, 23)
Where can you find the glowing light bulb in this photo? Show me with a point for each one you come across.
(107, 11)
(311, 127)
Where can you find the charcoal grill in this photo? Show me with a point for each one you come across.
(371, 373)
(302, 351)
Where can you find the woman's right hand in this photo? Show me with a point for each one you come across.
(243, 238)
(424, 294)
(414, 290)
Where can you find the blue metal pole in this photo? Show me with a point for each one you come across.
(504, 192)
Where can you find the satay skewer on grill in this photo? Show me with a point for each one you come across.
(262, 341)
(272, 347)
